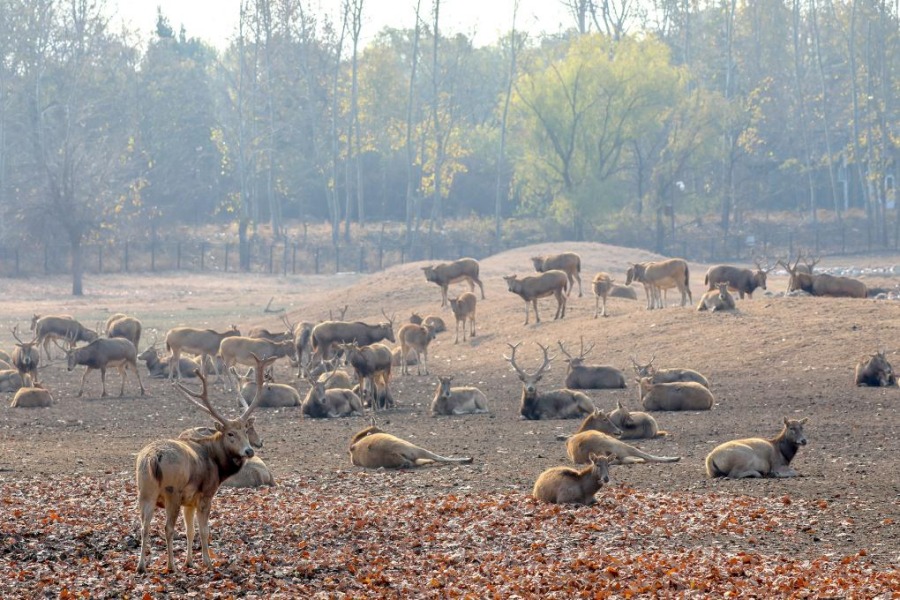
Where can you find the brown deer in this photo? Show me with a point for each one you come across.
(635, 425)
(596, 421)
(602, 285)
(530, 289)
(329, 334)
(239, 350)
(159, 368)
(457, 400)
(659, 276)
(580, 376)
(371, 363)
(823, 284)
(758, 457)
(26, 356)
(672, 375)
(273, 395)
(102, 354)
(564, 485)
(582, 445)
(463, 308)
(464, 269)
(11, 380)
(261, 332)
(414, 338)
(203, 342)
(323, 402)
(374, 449)
(874, 370)
(254, 473)
(32, 397)
(567, 262)
(187, 473)
(685, 395)
(557, 404)
(303, 343)
(717, 300)
(60, 327)
(742, 281)
(123, 326)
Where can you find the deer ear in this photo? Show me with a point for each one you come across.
(786, 421)
(619, 405)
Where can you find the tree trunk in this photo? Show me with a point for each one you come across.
(77, 266)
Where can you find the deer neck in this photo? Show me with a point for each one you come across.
(786, 448)
(226, 465)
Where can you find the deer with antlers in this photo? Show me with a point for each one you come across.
(187, 473)
(580, 376)
(556, 404)
(742, 281)
(822, 284)
(26, 356)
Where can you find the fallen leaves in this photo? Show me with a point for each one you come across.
(363, 535)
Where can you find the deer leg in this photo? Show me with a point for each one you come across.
(83, 377)
(173, 507)
(457, 332)
(146, 509)
(443, 296)
(578, 277)
(103, 381)
(203, 521)
(189, 530)
(424, 360)
(481, 287)
(472, 322)
(122, 371)
(537, 315)
(137, 373)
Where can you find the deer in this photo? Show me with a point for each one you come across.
(328, 334)
(328, 403)
(303, 343)
(254, 473)
(273, 395)
(564, 485)
(371, 363)
(187, 473)
(454, 401)
(580, 376)
(60, 327)
(238, 349)
(122, 326)
(397, 358)
(464, 269)
(556, 404)
(32, 397)
(717, 300)
(567, 262)
(204, 342)
(372, 448)
(435, 323)
(12, 380)
(823, 284)
(617, 290)
(662, 275)
(159, 367)
(596, 421)
(102, 354)
(261, 332)
(530, 289)
(684, 395)
(742, 281)
(672, 375)
(414, 338)
(582, 445)
(758, 457)
(636, 425)
(26, 355)
(875, 371)
(463, 307)
(602, 285)
(338, 379)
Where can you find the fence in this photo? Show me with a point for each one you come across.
(700, 244)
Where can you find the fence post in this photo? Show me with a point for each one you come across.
(843, 240)
(271, 257)
(294, 258)
(46, 260)
(403, 255)
(816, 232)
(284, 259)
(153, 255)
(126, 256)
(17, 262)
(381, 255)
(317, 260)
(99, 259)
(361, 254)
(178, 256)
(227, 250)
(790, 243)
(202, 255)
(337, 259)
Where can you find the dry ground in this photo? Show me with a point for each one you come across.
(774, 357)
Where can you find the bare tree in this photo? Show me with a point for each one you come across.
(412, 202)
(501, 151)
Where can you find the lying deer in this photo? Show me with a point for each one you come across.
(685, 395)
(582, 445)
(557, 404)
(32, 397)
(457, 400)
(717, 300)
(187, 473)
(374, 449)
(758, 457)
(596, 421)
(324, 403)
(635, 425)
(672, 375)
(274, 395)
(874, 370)
(590, 377)
(564, 485)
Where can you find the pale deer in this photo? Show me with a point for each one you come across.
(463, 307)
(464, 269)
(374, 449)
(758, 457)
(457, 400)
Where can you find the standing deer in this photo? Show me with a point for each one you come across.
(60, 327)
(102, 354)
(463, 308)
(204, 342)
(602, 286)
(567, 262)
(371, 363)
(743, 281)
(414, 338)
(187, 473)
(123, 326)
(557, 404)
(464, 269)
(530, 289)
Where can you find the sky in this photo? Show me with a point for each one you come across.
(215, 21)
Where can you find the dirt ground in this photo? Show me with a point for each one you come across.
(774, 357)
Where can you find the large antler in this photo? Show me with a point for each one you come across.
(390, 319)
(522, 374)
(261, 365)
(203, 396)
(512, 359)
(288, 324)
(547, 358)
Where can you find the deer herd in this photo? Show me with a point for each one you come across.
(348, 367)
